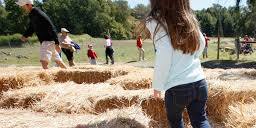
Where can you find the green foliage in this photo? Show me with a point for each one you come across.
(3, 22)
(230, 21)
(140, 11)
(16, 18)
(94, 17)
(99, 17)
(14, 40)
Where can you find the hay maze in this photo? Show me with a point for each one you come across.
(114, 97)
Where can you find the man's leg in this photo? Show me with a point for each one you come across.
(58, 60)
(56, 56)
(45, 54)
(106, 53)
(112, 58)
(139, 49)
(61, 64)
(206, 52)
(143, 52)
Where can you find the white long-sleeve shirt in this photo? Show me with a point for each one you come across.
(172, 67)
(108, 43)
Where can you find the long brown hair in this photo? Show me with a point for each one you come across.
(178, 20)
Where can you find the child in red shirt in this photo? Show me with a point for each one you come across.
(139, 46)
(91, 55)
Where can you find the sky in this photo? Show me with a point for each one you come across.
(195, 4)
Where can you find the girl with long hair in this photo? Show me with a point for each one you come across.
(178, 43)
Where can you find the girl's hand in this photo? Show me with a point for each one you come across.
(157, 94)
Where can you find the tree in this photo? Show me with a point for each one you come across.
(207, 22)
(16, 18)
(3, 22)
(140, 11)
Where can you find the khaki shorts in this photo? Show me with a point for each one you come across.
(47, 51)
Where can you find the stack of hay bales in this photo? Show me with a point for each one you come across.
(134, 80)
(74, 98)
(228, 88)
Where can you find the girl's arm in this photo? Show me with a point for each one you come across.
(162, 65)
(162, 60)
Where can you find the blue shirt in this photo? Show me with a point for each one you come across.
(173, 67)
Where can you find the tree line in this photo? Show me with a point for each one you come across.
(230, 22)
(99, 17)
(94, 17)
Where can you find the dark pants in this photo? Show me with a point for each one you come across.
(193, 96)
(69, 54)
(109, 53)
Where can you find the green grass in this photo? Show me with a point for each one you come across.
(14, 40)
(125, 51)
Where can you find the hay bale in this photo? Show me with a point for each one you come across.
(132, 117)
(90, 75)
(139, 79)
(12, 81)
(82, 76)
(114, 102)
(155, 109)
(20, 101)
(241, 116)
(19, 79)
(46, 77)
(224, 93)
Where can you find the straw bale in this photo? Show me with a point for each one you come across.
(12, 81)
(114, 102)
(20, 78)
(139, 79)
(224, 93)
(250, 73)
(241, 116)
(46, 77)
(87, 76)
(136, 85)
(21, 101)
(76, 98)
(155, 109)
(132, 117)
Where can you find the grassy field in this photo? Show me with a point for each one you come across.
(125, 51)
(118, 96)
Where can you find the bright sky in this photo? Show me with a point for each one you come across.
(195, 4)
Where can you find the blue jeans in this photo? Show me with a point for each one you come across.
(193, 96)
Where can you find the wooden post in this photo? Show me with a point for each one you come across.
(218, 52)
(219, 27)
(237, 45)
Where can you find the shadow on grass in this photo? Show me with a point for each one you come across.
(228, 64)
(115, 123)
